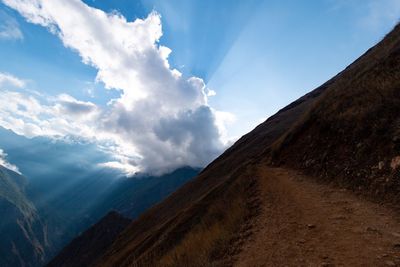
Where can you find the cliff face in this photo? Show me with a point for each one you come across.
(23, 236)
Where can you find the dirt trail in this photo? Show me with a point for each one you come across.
(303, 223)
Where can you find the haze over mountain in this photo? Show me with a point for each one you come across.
(68, 191)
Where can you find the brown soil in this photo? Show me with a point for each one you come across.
(304, 223)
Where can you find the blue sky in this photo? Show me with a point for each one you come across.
(257, 55)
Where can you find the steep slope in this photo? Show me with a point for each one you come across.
(351, 136)
(84, 249)
(23, 236)
(346, 130)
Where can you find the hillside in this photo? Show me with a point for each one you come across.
(345, 133)
(22, 233)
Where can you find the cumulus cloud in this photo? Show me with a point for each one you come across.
(6, 164)
(9, 28)
(161, 120)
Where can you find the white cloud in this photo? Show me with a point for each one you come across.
(223, 119)
(129, 169)
(6, 164)
(9, 28)
(162, 119)
(70, 106)
(10, 80)
(31, 114)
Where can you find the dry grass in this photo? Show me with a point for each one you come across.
(209, 241)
